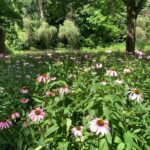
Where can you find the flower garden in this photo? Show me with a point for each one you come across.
(75, 101)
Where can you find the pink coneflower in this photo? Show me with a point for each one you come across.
(126, 70)
(49, 93)
(135, 94)
(77, 131)
(44, 78)
(99, 125)
(63, 90)
(24, 100)
(5, 124)
(37, 114)
(24, 90)
(15, 115)
(112, 72)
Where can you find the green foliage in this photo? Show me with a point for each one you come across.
(101, 26)
(69, 32)
(143, 27)
(128, 120)
(47, 34)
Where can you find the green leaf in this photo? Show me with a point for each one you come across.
(39, 147)
(103, 145)
(51, 130)
(117, 139)
(128, 140)
(68, 122)
(19, 144)
(63, 145)
(106, 111)
(121, 146)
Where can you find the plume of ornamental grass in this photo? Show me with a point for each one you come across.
(69, 32)
(47, 34)
(30, 36)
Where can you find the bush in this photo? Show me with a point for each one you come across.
(140, 37)
(47, 35)
(69, 33)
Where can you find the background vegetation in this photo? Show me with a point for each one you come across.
(45, 24)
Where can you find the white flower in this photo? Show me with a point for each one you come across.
(77, 131)
(108, 51)
(104, 82)
(118, 81)
(127, 70)
(111, 72)
(99, 125)
(98, 66)
(135, 94)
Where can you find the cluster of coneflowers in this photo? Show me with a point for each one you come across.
(98, 125)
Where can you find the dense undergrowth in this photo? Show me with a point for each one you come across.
(81, 92)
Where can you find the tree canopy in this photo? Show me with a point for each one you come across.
(100, 22)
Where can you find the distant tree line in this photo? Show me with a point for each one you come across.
(46, 24)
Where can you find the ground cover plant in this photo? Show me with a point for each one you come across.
(75, 101)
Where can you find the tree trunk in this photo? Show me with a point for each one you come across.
(42, 15)
(2, 42)
(131, 30)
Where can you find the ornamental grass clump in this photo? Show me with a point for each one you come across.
(47, 35)
(69, 32)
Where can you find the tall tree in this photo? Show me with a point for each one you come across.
(134, 7)
(41, 9)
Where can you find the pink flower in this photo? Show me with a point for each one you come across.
(63, 90)
(112, 72)
(77, 131)
(44, 78)
(24, 100)
(99, 125)
(37, 114)
(5, 124)
(49, 93)
(24, 90)
(15, 115)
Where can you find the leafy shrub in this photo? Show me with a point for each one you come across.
(69, 32)
(140, 37)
